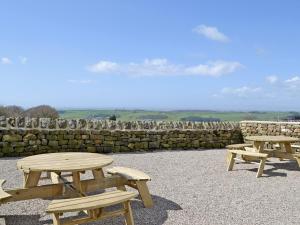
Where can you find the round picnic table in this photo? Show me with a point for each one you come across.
(286, 152)
(56, 163)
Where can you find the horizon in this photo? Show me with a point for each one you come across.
(153, 55)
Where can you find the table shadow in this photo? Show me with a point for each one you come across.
(273, 171)
(156, 215)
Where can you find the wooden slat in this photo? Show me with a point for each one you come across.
(56, 190)
(90, 202)
(128, 173)
(3, 194)
(255, 154)
(64, 162)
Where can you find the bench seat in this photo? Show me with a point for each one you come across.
(239, 146)
(135, 179)
(128, 173)
(250, 152)
(94, 204)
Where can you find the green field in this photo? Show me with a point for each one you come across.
(189, 115)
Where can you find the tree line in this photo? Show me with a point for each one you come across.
(41, 111)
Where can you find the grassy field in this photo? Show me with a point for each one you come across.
(192, 115)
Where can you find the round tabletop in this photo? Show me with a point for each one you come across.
(64, 162)
(277, 139)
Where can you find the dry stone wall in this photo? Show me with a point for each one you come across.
(249, 128)
(25, 136)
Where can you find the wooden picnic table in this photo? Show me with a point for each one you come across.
(286, 152)
(57, 163)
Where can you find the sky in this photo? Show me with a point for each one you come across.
(163, 55)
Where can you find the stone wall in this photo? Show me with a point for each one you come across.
(24, 136)
(249, 128)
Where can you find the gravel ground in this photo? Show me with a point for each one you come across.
(189, 187)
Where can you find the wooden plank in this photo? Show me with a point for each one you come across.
(128, 173)
(32, 179)
(2, 221)
(3, 194)
(261, 168)
(128, 214)
(144, 193)
(56, 190)
(64, 162)
(90, 202)
(254, 154)
(231, 161)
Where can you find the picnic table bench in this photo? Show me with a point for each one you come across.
(57, 165)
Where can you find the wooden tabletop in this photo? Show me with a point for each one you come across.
(64, 162)
(277, 139)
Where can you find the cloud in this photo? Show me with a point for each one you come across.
(272, 79)
(215, 69)
(244, 91)
(5, 60)
(293, 83)
(23, 60)
(103, 67)
(80, 81)
(162, 67)
(211, 33)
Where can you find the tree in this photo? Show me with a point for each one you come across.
(113, 117)
(42, 111)
(11, 111)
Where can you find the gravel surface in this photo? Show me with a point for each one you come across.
(189, 187)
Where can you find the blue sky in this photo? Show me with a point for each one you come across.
(224, 55)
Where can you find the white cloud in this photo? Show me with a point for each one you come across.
(244, 91)
(293, 83)
(103, 67)
(5, 60)
(162, 67)
(23, 60)
(80, 81)
(215, 69)
(272, 79)
(211, 33)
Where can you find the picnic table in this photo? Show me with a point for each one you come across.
(258, 151)
(76, 193)
(286, 150)
(57, 163)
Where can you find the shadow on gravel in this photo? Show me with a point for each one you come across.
(156, 215)
(273, 172)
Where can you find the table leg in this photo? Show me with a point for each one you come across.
(32, 179)
(76, 182)
(98, 174)
(259, 145)
(288, 148)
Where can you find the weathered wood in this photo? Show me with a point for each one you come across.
(272, 139)
(128, 215)
(248, 153)
(33, 178)
(239, 146)
(144, 193)
(3, 194)
(64, 162)
(94, 204)
(56, 190)
(90, 202)
(261, 167)
(261, 156)
(128, 173)
(231, 161)
(2, 221)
